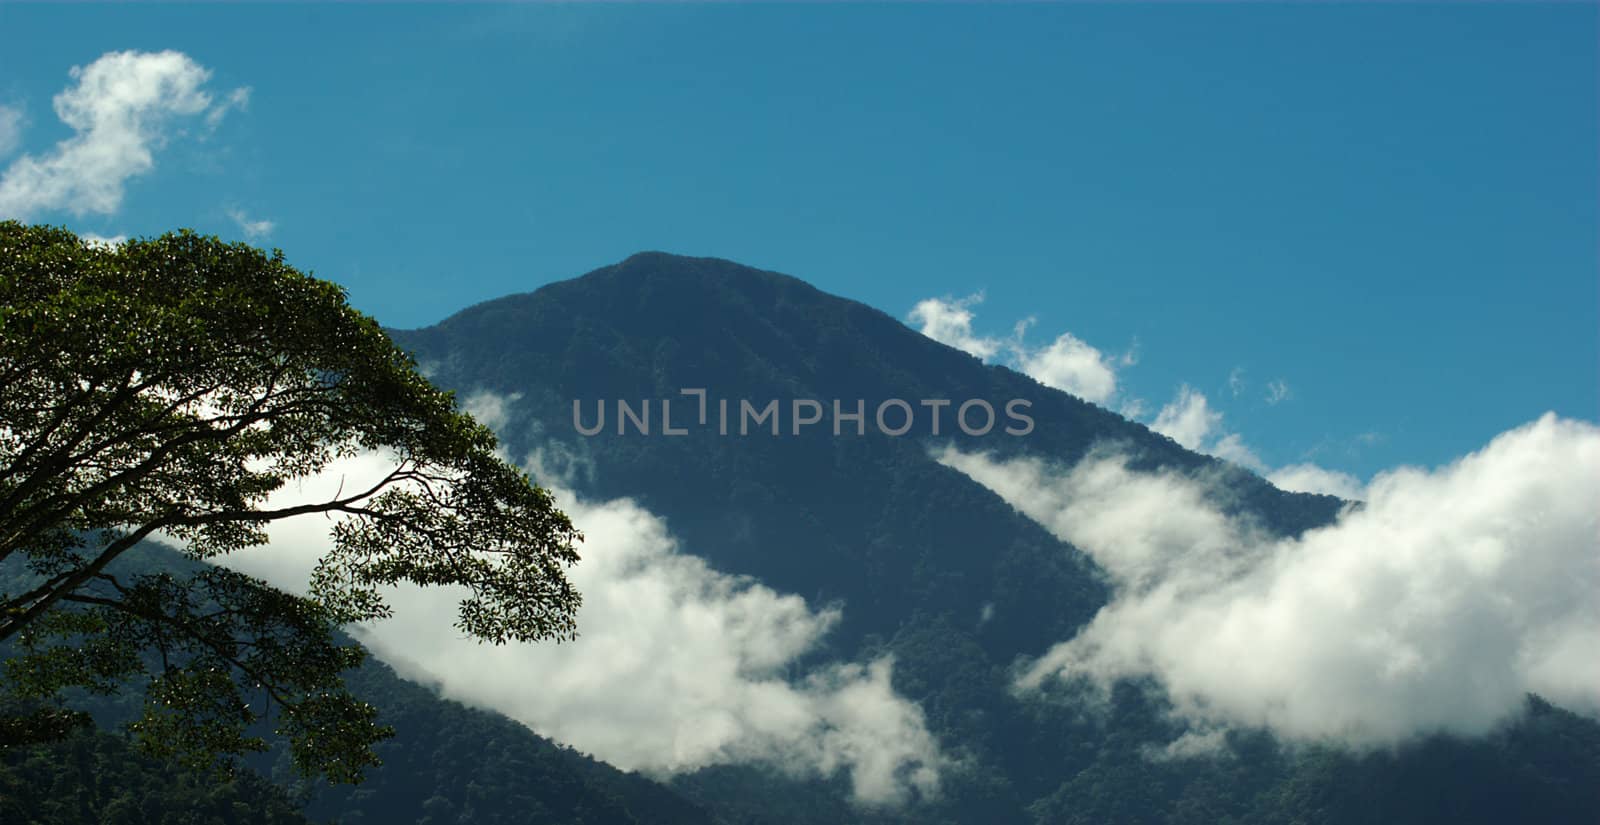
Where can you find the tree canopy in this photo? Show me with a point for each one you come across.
(164, 388)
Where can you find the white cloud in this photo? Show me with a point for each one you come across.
(1129, 357)
(677, 666)
(1435, 607)
(1309, 478)
(252, 228)
(1231, 447)
(1204, 743)
(491, 409)
(11, 123)
(949, 321)
(121, 108)
(1236, 381)
(102, 241)
(1068, 363)
(1071, 365)
(237, 99)
(1188, 419)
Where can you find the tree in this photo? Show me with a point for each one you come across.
(163, 388)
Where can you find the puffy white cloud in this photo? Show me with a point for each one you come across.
(1068, 363)
(1188, 419)
(677, 666)
(949, 321)
(1435, 607)
(253, 228)
(120, 108)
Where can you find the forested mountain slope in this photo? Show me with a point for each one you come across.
(927, 564)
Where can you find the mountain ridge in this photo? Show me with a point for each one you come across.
(935, 573)
(677, 286)
(930, 567)
(870, 522)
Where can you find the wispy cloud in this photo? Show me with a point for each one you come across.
(1310, 478)
(238, 99)
(1190, 420)
(11, 123)
(1236, 381)
(1435, 607)
(254, 229)
(1278, 391)
(122, 108)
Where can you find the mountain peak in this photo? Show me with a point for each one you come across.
(656, 258)
(691, 270)
(658, 322)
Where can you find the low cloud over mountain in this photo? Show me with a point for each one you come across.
(1434, 607)
(677, 665)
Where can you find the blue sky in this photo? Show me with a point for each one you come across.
(1390, 209)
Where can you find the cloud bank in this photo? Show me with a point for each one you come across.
(678, 666)
(121, 109)
(1435, 607)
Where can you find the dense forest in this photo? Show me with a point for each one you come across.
(98, 777)
(446, 763)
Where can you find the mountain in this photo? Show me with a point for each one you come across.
(97, 777)
(928, 566)
(803, 508)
